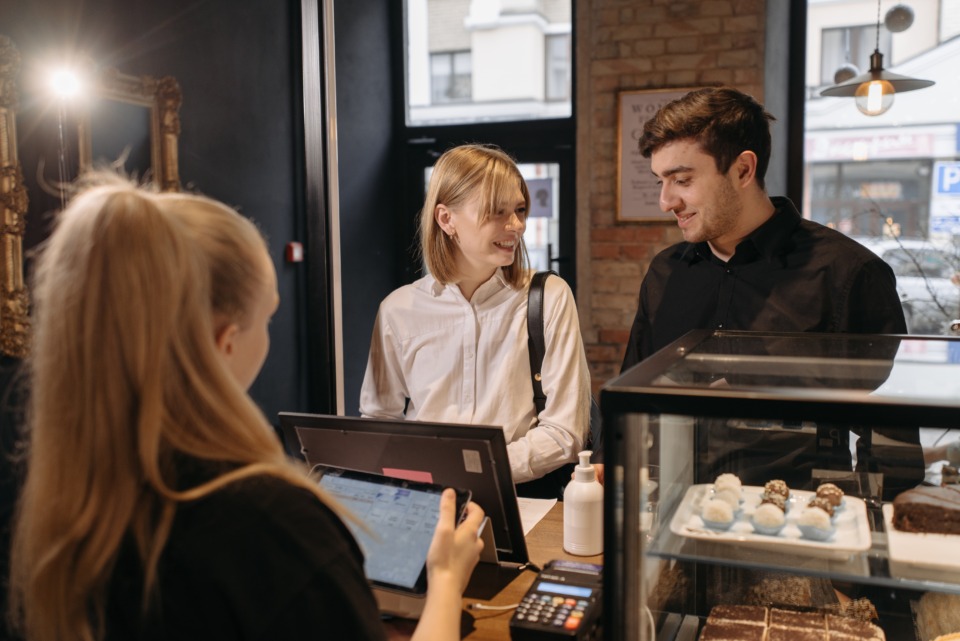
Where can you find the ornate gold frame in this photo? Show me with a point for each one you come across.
(14, 299)
(162, 96)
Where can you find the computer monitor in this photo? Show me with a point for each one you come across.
(473, 457)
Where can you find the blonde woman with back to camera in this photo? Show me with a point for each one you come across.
(158, 502)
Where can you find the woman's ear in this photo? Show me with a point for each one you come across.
(225, 337)
(445, 220)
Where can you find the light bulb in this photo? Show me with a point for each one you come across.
(65, 83)
(875, 97)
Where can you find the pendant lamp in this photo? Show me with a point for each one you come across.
(873, 91)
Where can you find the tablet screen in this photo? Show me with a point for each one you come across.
(401, 517)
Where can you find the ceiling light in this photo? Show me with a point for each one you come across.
(874, 90)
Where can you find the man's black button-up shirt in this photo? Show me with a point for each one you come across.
(790, 275)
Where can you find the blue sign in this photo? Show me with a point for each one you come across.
(948, 178)
(945, 224)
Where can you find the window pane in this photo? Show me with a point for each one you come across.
(558, 67)
(890, 180)
(528, 38)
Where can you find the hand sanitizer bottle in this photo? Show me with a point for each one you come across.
(583, 511)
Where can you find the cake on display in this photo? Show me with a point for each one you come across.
(928, 509)
(748, 622)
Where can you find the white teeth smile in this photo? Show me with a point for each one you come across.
(505, 245)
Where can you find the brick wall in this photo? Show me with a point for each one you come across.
(628, 45)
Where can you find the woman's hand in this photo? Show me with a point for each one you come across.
(453, 553)
(455, 549)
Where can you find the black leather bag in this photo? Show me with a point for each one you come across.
(552, 484)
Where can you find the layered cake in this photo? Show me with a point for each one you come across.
(928, 509)
(746, 623)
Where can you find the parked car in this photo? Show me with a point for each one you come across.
(924, 271)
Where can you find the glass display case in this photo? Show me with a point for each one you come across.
(805, 409)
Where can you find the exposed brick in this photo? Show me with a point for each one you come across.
(688, 28)
(688, 44)
(737, 59)
(689, 61)
(718, 77)
(739, 24)
(716, 8)
(616, 336)
(637, 45)
(604, 250)
(649, 47)
(684, 78)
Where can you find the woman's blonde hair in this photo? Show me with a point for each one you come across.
(461, 174)
(125, 380)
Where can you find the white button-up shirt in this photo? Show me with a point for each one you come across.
(460, 361)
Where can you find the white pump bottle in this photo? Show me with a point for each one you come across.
(583, 511)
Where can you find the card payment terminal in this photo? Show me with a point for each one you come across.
(563, 603)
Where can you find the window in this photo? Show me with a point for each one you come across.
(850, 45)
(467, 61)
(558, 67)
(450, 77)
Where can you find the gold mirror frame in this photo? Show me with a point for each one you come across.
(14, 299)
(162, 97)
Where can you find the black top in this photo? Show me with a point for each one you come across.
(790, 275)
(260, 559)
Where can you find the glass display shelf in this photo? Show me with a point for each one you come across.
(857, 401)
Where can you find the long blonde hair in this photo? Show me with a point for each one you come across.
(461, 174)
(125, 378)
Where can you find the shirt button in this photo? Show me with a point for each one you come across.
(719, 325)
(729, 271)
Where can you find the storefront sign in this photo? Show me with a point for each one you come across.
(947, 178)
(869, 146)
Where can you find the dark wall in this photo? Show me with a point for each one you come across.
(239, 71)
(373, 243)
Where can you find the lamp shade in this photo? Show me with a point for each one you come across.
(899, 83)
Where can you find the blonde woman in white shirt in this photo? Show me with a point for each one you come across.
(452, 346)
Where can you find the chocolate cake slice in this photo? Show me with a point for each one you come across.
(796, 634)
(751, 614)
(792, 619)
(847, 628)
(732, 631)
(933, 510)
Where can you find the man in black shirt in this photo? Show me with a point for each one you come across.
(747, 262)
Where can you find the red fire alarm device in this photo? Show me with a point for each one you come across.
(294, 252)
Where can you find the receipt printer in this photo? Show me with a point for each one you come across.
(563, 603)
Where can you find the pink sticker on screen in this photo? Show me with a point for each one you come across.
(408, 475)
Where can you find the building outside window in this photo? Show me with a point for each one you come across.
(892, 181)
(850, 45)
(558, 67)
(471, 61)
(450, 78)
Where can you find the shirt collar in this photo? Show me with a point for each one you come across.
(769, 240)
(772, 238)
(437, 288)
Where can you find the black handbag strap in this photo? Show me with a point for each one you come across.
(535, 341)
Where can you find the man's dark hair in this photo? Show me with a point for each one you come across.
(723, 121)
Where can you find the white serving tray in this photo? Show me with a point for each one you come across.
(919, 549)
(852, 528)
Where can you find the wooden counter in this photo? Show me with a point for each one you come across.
(495, 586)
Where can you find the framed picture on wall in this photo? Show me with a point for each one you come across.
(638, 195)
